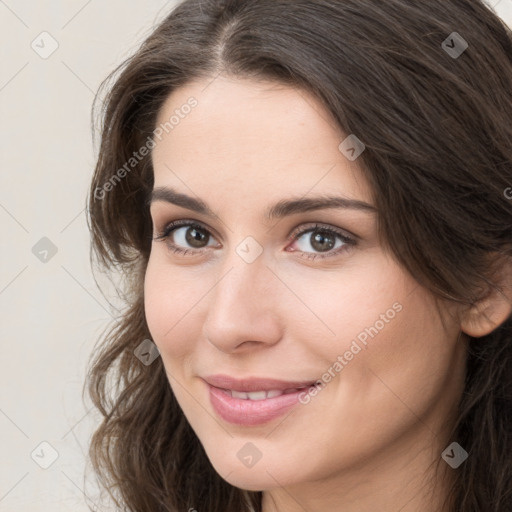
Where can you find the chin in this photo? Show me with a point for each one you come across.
(255, 478)
(249, 481)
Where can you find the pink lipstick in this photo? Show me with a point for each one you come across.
(253, 401)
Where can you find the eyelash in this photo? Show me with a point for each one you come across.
(347, 240)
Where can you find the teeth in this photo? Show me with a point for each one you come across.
(261, 395)
(257, 395)
(239, 394)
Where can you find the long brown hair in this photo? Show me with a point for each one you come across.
(438, 134)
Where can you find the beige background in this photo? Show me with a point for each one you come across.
(51, 312)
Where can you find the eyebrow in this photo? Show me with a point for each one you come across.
(279, 210)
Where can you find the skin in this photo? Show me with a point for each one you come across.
(368, 438)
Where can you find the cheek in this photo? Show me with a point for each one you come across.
(407, 363)
(171, 298)
(347, 303)
(382, 324)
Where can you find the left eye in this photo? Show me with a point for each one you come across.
(321, 240)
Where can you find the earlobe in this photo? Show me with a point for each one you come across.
(485, 316)
(491, 311)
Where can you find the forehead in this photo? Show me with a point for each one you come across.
(261, 137)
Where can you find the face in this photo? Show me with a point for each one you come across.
(257, 283)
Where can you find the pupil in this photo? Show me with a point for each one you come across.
(318, 241)
(196, 238)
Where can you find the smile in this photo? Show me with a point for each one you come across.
(260, 395)
(252, 401)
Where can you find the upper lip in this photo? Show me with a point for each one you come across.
(249, 384)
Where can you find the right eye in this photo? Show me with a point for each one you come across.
(185, 236)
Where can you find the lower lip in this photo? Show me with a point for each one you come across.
(251, 412)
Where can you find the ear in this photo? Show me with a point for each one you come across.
(492, 310)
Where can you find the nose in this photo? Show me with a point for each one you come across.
(243, 312)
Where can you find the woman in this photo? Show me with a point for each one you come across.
(308, 202)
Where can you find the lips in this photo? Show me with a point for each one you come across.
(253, 401)
(261, 395)
(250, 384)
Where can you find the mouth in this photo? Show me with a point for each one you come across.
(261, 395)
(253, 401)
